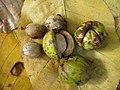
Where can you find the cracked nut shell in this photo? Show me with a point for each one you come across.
(90, 35)
(58, 45)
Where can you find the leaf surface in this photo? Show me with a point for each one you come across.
(9, 55)
(10, 47)
(114, 6)
(42, 71)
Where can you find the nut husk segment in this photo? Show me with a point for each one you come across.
(90, 35)
(91, 39)
(9, 14)
(70, 43)
(49, 45)
(60, 42)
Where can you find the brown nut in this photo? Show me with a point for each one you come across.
(35, 30)
(55, 22)
(31, 49)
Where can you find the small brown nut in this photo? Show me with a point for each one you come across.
(31, 49)
(35, 30)
(55, 22)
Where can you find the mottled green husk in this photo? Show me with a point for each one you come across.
(90, 35)
(74, 71)
(49, 45)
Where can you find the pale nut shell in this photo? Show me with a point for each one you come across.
(54, 22)
(31, 49)
(60, 42)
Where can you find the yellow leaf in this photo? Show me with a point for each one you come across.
(42, 71)
(9, 55)
(114, 6)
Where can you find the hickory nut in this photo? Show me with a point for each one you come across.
(90, 35)
(55, 22)
(74, 71)
(56, 45)
(35, 30)
(31, 49)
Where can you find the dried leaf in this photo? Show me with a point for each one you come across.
(42, 71)
(9, 14)
(114, 6)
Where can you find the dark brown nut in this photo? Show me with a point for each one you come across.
(35, 30)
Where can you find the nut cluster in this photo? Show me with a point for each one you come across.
(59, 44)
